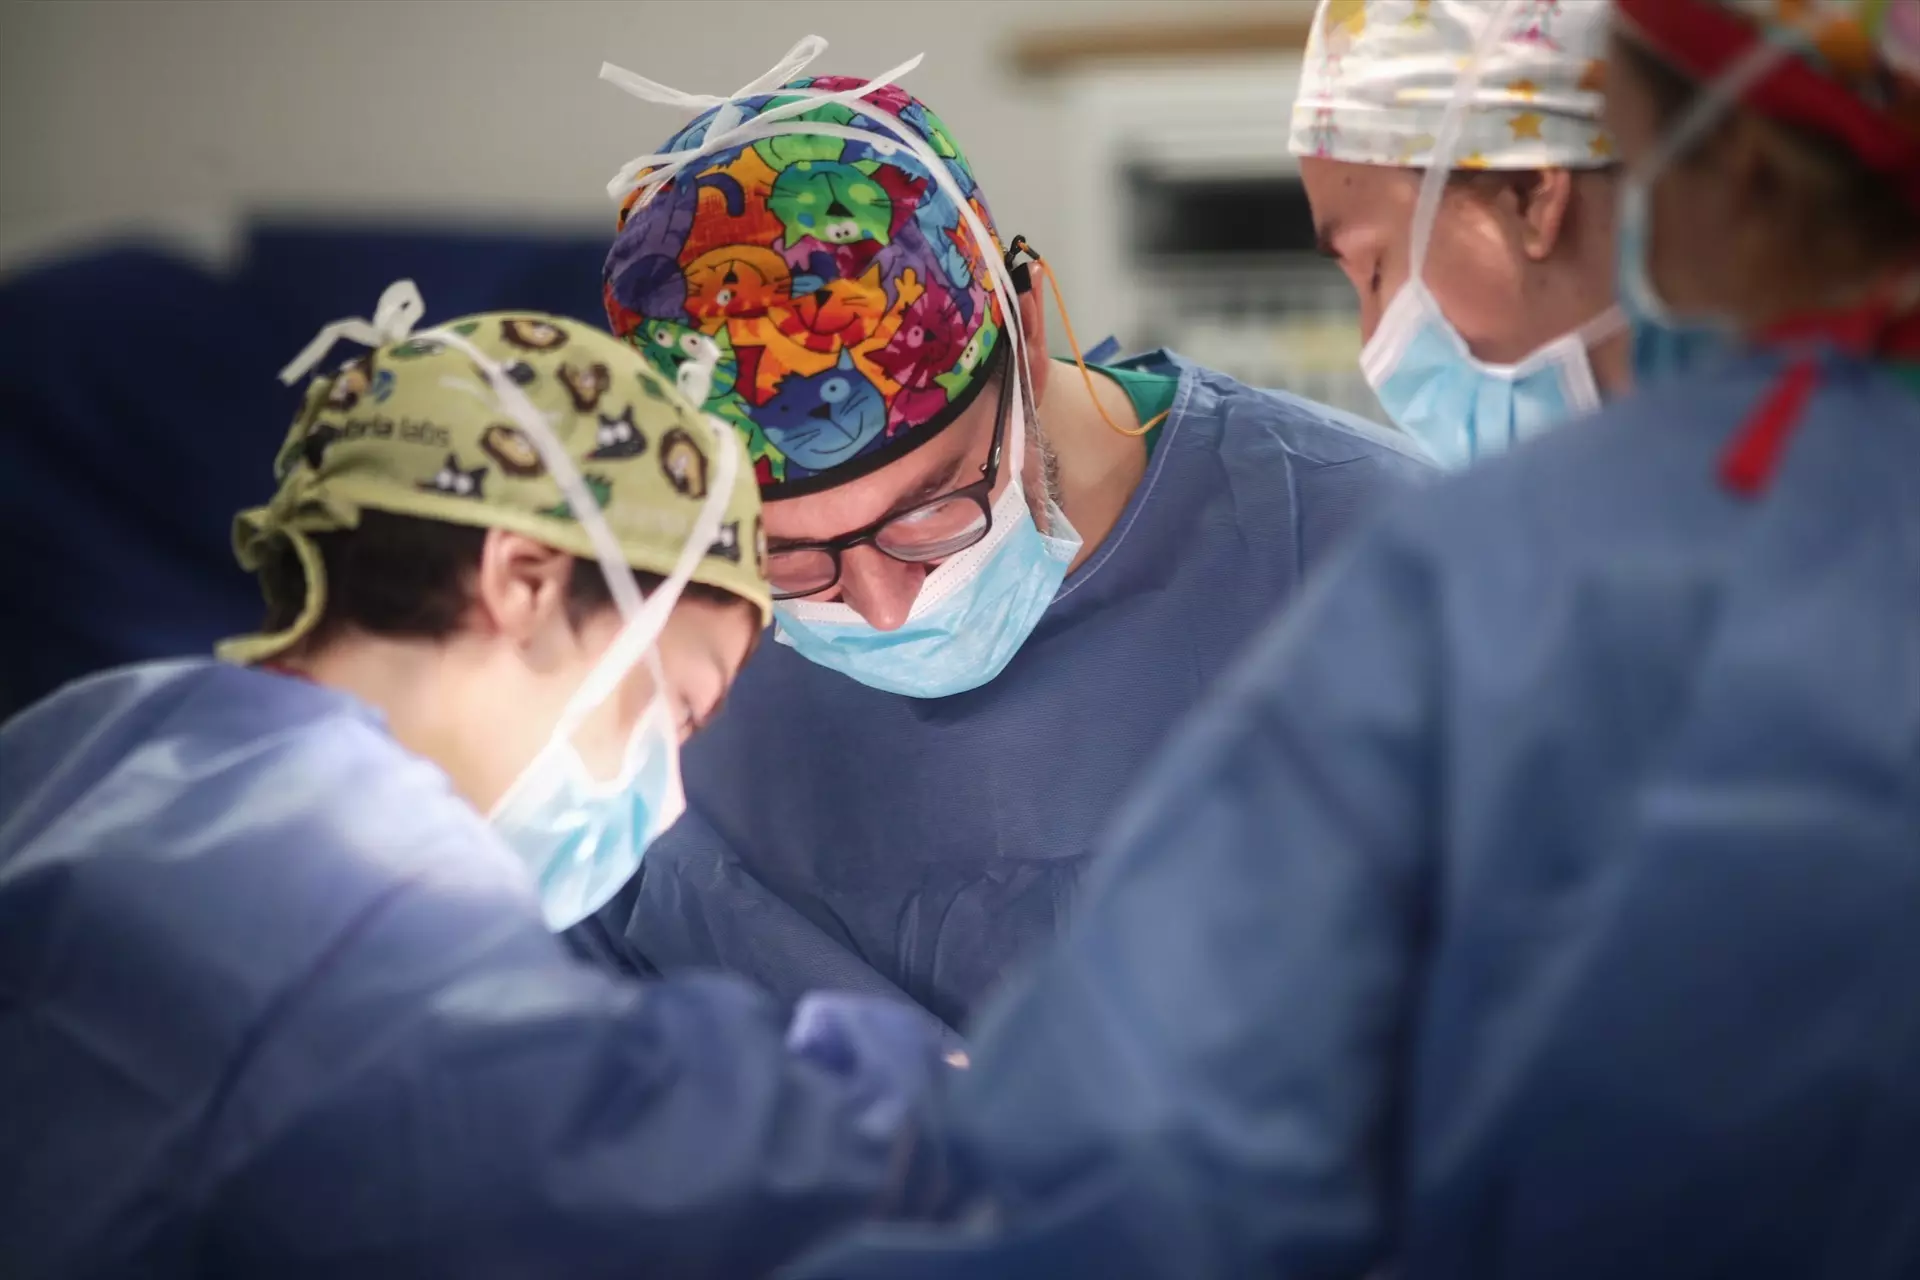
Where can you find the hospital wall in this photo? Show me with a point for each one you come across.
(188, 120)
(193, 187)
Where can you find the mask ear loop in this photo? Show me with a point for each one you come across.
(1748, 464)
(643, 617)
(566, 476)
(1426, 210)
(1709, 105)
(1713, 102)
(1020, 246)
(637, 643)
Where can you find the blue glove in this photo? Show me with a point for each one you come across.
(898, 1050)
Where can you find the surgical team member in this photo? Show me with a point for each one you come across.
(999, 582)
(279, 991)
(1486, 290)
(1540, 897)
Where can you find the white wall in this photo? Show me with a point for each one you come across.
(180, 116)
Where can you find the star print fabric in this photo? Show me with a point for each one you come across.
(1379, 74)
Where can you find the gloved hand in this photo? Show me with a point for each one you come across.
(895, 1051)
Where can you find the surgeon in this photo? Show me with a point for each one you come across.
(1479, 241)
(998, 579)
(1539, 897)
(279, 989)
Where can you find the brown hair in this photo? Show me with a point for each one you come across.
(410, 578)
(1838, 185)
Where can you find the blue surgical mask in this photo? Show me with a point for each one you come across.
(1663, 344)
(581, 837)
(973, 613)
(1460, 407)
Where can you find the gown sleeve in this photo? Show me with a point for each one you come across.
(451, 1094)
(1201, 1080)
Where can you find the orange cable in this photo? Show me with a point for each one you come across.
(1073, 344)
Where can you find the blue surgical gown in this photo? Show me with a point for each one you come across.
(843, 837)
(1540, 899)
(274, 1002)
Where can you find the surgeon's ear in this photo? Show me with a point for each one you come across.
(1541, 198)
(520, 594)
(1033, 328)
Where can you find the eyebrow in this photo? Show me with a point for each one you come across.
(935, 482)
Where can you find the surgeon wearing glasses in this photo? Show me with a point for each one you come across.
(999, 579)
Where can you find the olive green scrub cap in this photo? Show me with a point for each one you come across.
(426, 425)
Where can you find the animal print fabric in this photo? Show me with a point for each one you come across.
(853, 310)
(414, 428)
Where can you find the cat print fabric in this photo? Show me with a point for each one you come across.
(852, 308)
(414, 428)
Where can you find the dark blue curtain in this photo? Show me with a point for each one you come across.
(139, 411)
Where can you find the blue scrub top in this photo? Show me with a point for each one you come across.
(274, 1001)
(842, 837)
(1541, 897)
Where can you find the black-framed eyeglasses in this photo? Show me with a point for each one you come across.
(921, 534)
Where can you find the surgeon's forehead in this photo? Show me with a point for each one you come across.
(1359, 198)
(1346, 194)
(948, 461)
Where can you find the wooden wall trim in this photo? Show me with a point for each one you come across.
(1046, 53)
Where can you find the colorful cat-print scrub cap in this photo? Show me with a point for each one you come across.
(415, 428)
(854, 310)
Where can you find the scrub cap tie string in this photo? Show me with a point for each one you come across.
(606, 547)
(1446, 146)
(308, 503)
(647, 174)
(302, 506)
(399, 309)
(803, 52)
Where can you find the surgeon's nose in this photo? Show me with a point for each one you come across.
(878, 587)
